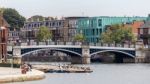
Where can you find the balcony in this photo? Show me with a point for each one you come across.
(145, 36)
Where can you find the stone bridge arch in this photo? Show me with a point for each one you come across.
(56, 49)
(117, 51)
(119, 56)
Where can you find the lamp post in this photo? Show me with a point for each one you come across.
(12, 56)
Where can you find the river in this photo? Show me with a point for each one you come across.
(102, 74)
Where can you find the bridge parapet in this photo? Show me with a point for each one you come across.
(127, 45)
(85, 50)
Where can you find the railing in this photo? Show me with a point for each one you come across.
(125, 45)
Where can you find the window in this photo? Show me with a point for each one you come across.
(96, 31)
(100, 30)
(92, 23)
(93, 31)
(47, 24)
(141, 31)
(35, 25)
(59, 23)
(53, 24)
(145, 31)
(50, 24)
(87, 24)
(148, 30)
(99, 22)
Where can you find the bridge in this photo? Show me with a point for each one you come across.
(79, 53)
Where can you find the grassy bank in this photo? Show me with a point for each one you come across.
(9, 65)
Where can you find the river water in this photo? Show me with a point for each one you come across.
(102, 74)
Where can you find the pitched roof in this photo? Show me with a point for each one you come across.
(4, 22)
(146, 25)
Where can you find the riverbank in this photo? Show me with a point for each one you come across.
(14, 75)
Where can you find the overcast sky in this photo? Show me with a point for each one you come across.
(60, 8)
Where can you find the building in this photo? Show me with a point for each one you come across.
(13, 36)
(31, 28)
(63, 30)
(72, 27)
(3, 39)
(93, 27)
(134, 26)
(144, 31)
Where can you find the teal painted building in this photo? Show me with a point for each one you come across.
(92, 27)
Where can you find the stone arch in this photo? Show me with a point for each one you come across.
(117, 51)
(62, 50)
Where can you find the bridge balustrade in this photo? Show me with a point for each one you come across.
(77, 43)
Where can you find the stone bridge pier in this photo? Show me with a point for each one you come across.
(16, 55)
(84, 59)
(140, 53)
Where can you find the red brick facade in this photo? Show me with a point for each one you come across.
(134, 26)
(3, 39)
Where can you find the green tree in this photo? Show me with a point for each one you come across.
(36, 18)
(13, 18)
(117, 33)
(79, 37)
(39, 18)
(106, 36)
(1, 11)
(44, 34)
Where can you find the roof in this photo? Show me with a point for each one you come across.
(5, 22)
(146, 25)
(75, 17)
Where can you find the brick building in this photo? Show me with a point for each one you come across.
(134, 26)
(144, 31)
(3, 39)
(63, 30)
(31, 28)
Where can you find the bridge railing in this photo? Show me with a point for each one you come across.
(125, 45)
(114, 45)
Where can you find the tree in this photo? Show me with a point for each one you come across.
(44, 34)
(13, 18)
(79, 37)
(106, 36)
(36, 18)
(39, 18)
(117, 33)
(1, 11)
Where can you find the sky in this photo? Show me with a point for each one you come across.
(59, 8)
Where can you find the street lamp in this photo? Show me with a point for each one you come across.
(12, 56)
